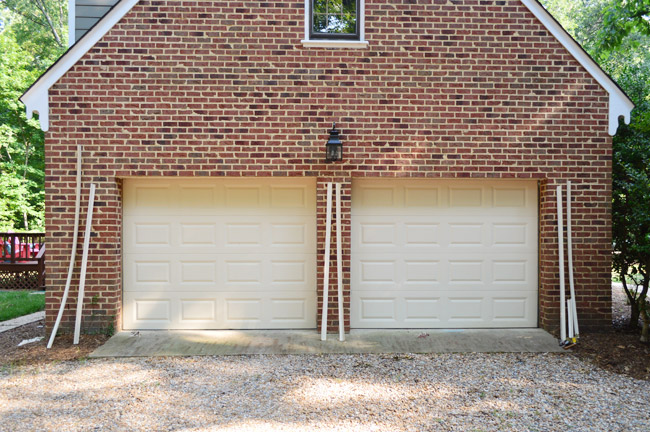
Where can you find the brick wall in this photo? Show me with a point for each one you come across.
(446, 89)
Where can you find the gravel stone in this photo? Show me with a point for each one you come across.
(442, 392)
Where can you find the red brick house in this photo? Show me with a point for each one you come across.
(204, 123)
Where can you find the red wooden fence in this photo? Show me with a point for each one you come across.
(23, 261)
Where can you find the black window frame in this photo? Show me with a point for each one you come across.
(356, 36)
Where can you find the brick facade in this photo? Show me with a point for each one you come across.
(447, 89)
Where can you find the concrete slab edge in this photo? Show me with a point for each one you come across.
(21, 321)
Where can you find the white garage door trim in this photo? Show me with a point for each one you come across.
(444, 254)
(219, 253)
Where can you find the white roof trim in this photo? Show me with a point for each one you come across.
(72, 5)
(619, 103)
(36, 98)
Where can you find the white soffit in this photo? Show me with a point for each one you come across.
(36, 98)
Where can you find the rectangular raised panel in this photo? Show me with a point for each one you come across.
(198, 234)
(147, 272)
(465, 308)
(422, 309)
(509, 271)
(378, 234)
(509, 308)
(152, 310)
(466, 197)
(290, 271)
(465, 271)
(509, 234)
(152, 197)
(421, 234)
(378, 271)
(285, 234)
(243, 234)
(197, 197)
(285, 197)
(466, 234)
(152, 234)
(243, 271)
(198, 310)
(249, 309)
(288, 309)
(219, 253)
(434, 253)
(510, 197)
(378, 309)
(198, 272)
(421, 271)
(377, 197)
(243, 197)
(421, 197)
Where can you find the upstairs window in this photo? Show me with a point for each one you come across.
(334, 24)
(334, 19)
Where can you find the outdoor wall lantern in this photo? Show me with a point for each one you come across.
(334, 146)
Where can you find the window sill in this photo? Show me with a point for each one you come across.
(334, 44)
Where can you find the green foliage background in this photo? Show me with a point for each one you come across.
(33, 34)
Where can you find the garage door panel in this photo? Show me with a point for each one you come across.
(466, 234)
(376, 234)
(421, 196)
(444, 308)
(198, 272)
(446, 254)
(422, 311)
(167, 272)
(219, 253)
(197, 310)
(466, 272)
(466, 309)
(201, 198)
(218, 234)
(462, 271)
(503, 234)
(281, 310)
(513, 197)
(216, 272)
(220, 197)
(467, 196)
(197, 233)
(149, 274)
(192, 310)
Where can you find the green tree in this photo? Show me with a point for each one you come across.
(622, 19)
(33, 35)
(631, 200)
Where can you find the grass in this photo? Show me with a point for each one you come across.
(14, 304)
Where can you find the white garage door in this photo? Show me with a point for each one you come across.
(219, 254)
(443, 254)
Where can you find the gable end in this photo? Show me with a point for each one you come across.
(36, 98)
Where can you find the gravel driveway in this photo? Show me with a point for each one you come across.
(441, 392)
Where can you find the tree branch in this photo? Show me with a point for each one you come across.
(40, 4)
(23, 14)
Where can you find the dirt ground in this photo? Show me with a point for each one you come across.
(617, 349)
(37, 353)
